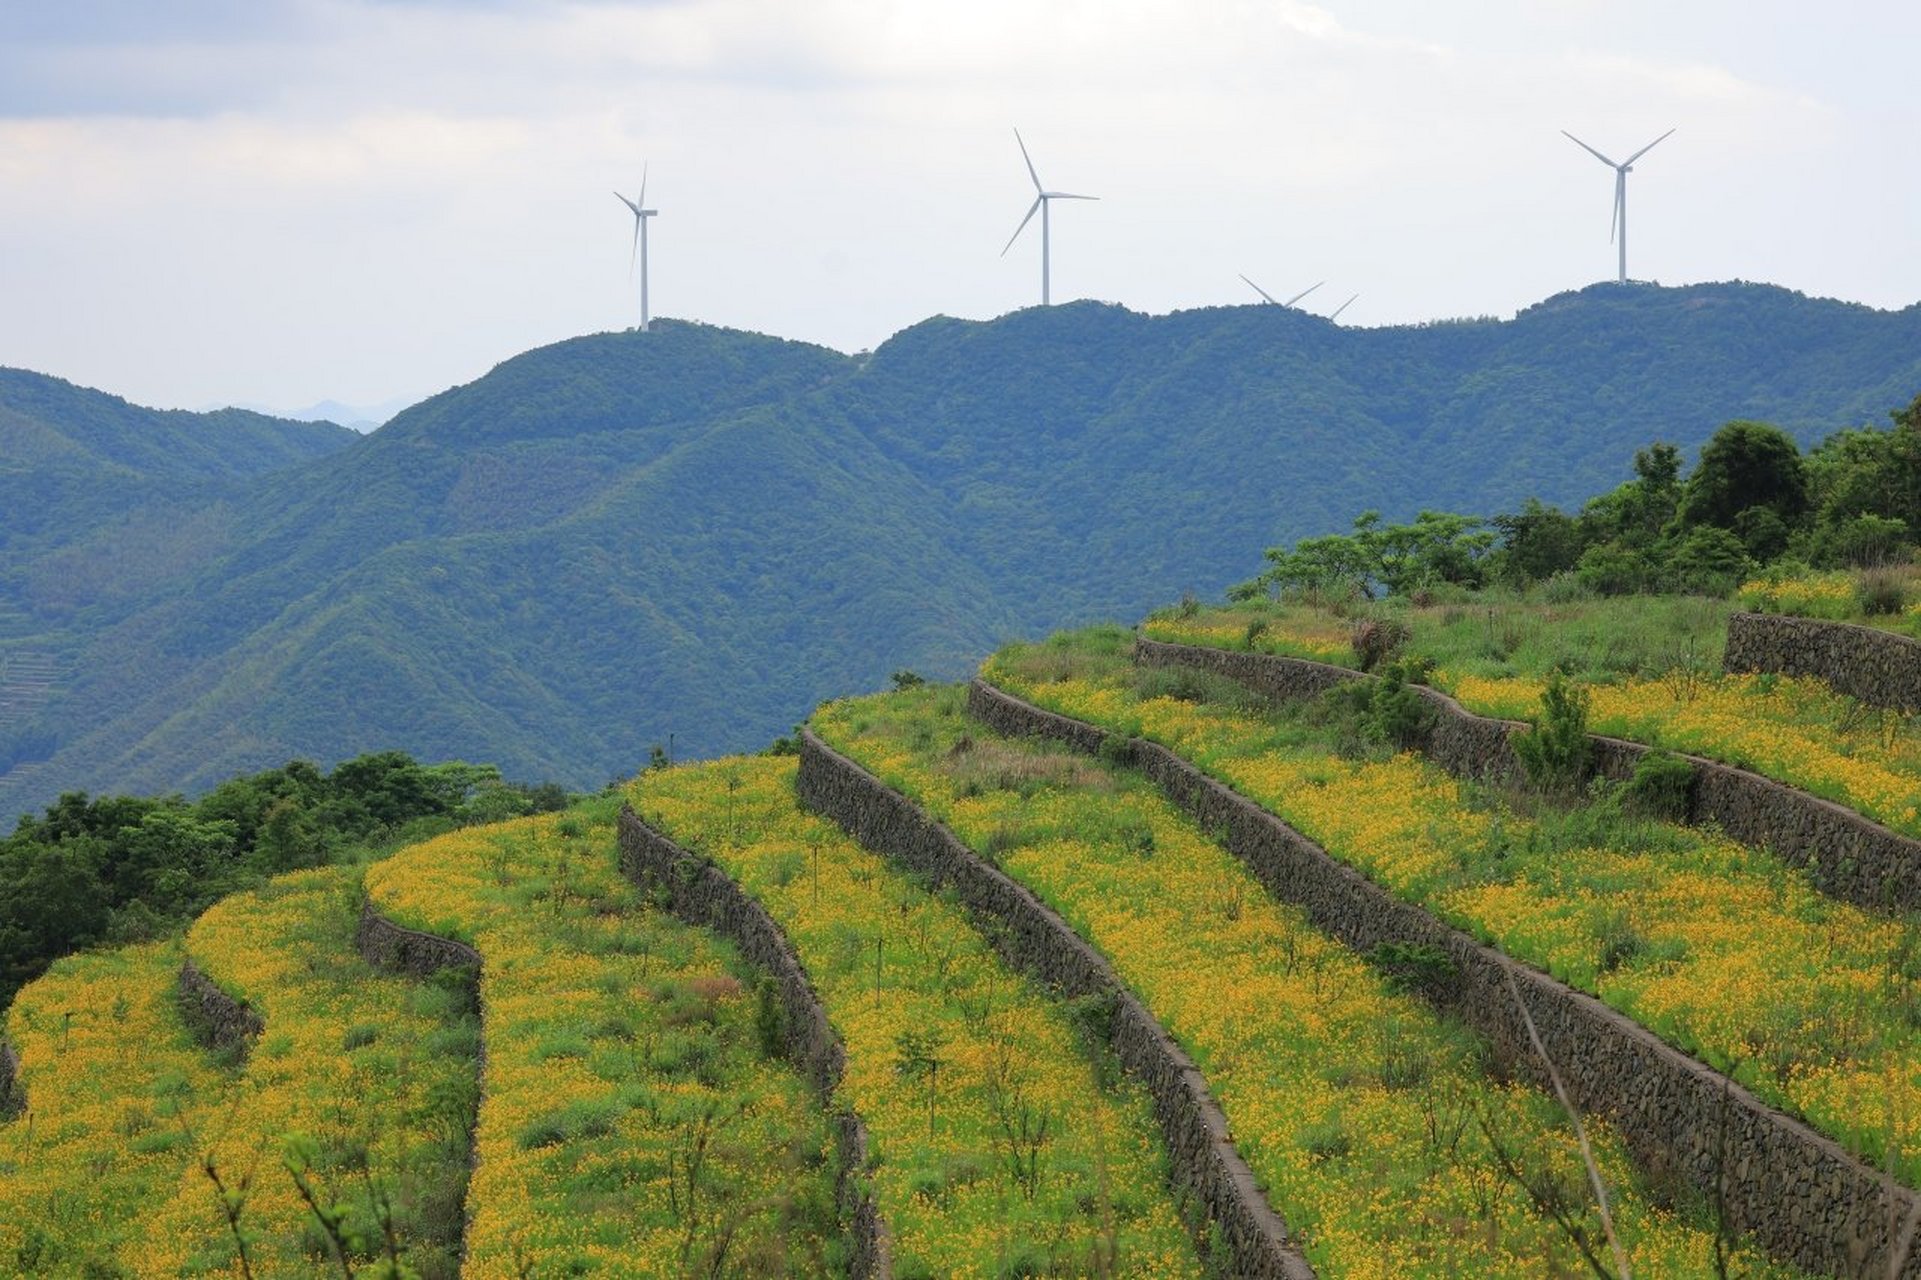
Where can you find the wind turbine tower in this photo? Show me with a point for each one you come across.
(1618, 229)
(1042, 198)
(639, 252)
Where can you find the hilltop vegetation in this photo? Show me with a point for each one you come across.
(697, 533)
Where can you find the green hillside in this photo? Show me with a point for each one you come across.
(697, 533)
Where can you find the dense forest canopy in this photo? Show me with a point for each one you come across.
(695, 534)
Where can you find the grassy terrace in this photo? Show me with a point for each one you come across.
(1719, 949)
(119, 1092)
(631, 1123)
(1653, 667)
(364, 1082)
(1005, 1148)
(1368, 1119)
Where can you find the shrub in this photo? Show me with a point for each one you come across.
(1418, 968)
(1660, 787)
(1397, 714)
(1880, 592)
(1555, 750)
(1376, 640)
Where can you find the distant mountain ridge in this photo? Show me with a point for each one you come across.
(697, 533)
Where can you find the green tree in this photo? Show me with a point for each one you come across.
(1747, 465)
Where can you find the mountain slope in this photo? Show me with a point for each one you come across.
(698, 532)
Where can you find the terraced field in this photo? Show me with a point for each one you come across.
(1652, 672)
(117, 1091)
(1369, 1120)
(628, 1096)
(1718, 948)
(631, 1120)
(360, 1084)
(1004, 1143)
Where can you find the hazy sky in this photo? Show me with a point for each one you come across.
(206, 201)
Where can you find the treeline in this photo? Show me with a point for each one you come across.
(1754, 501)
(118, 869)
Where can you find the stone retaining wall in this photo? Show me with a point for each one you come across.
(1037, 941)
(395, 948)
(1799, 1193)
(398, 949)
(1864, 662)
(13, 1097)
(1846, 855)
(216, 1019)
(703, 895)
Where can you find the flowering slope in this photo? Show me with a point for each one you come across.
(117, 1091)
(1720, 949)
(1799, 731)
(1001, 1149)
(362, 1082)
(631, 1123)
(1366, 1116)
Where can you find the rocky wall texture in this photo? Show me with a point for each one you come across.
(13, 1097)
(398, 949)
(1863, 662)
(1038, 942)
(700, 893)
(1846, 855)
(218, 1020)
(1799, 1193)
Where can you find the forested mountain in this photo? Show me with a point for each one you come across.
(698, 532)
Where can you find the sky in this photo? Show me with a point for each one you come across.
(279, 202)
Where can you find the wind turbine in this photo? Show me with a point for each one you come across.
(1276, 301)
(1336, 313)
(1618, 227)
(1042, 196)
(641, 214)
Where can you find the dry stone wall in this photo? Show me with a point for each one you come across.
(217, 1019)
(703, 895)
(1863, 662)
(1801, 1194)
(13, 1098)
(1846, 855)
(1038, 942)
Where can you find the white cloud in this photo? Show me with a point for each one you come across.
(354, 200)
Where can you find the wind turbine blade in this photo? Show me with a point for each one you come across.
(629, 203)
(634, 253)
(1620, 201)
(1031, 209)
(1336, 313)
(1030, 162)
(643, 185)
(1590, 150)
(1064, 195)
(1649, 147)
(1256, 288)
(1303, 293)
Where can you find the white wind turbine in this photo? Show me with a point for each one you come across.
(641, 214)
(1042, 197)
(1618, 229)
(1276, 301)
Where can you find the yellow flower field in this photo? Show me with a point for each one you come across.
(1009, 1157)
(1365, 1116)
(630, 1124)
(119, 1094)
(1798, 731)
(377, 1072)
(1720, 949)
